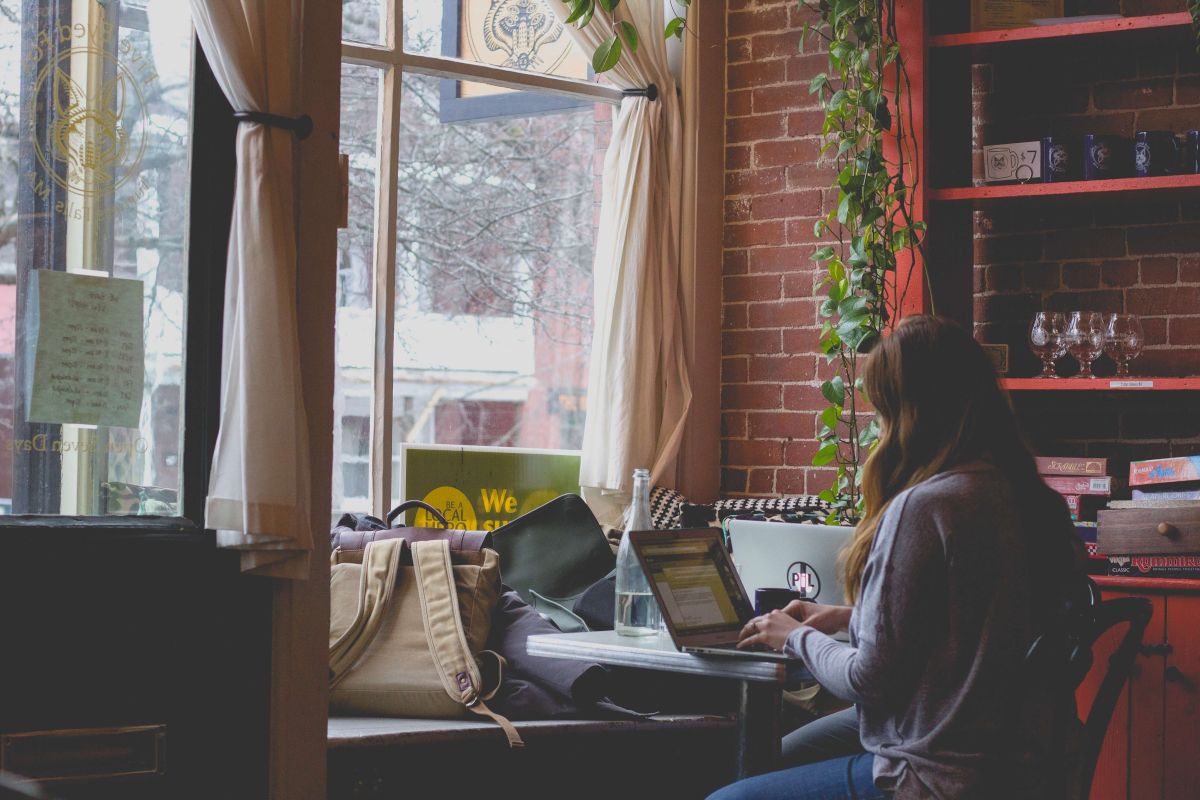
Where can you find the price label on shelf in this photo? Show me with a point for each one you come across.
(1131, 384)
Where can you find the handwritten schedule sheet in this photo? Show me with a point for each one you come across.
(87, 349)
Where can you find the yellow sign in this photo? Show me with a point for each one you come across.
(453, 505)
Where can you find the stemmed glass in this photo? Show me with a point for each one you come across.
(1124, 341)
(1085, 339)
(1047, 339)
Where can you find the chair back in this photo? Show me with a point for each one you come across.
(1061, 658)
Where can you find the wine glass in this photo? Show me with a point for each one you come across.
(1046, 339)
(1086, 333)
(1124, 341)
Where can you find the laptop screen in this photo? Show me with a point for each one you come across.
(699, 590)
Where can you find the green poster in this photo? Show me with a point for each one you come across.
(480, 488)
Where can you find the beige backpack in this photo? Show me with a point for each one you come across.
(407, 626)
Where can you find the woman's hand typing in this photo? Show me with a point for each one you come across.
(826, 619)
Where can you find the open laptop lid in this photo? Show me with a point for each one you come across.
(695, 584)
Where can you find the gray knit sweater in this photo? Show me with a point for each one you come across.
(937, 641)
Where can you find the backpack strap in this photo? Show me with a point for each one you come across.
(457, 667)
(381, 562)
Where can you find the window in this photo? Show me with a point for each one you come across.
(95, 127)
(475, 142)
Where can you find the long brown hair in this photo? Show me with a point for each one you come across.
(940, 404)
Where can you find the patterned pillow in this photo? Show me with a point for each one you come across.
(785, 509)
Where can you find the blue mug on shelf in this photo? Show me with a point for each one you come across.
(1189, 164)
(1061, 159)
(1155, 153)
(1104, 157)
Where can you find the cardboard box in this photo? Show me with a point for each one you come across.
(1169, 566)
(1072, 505)
(1164, 470)
(997, 15)
(1170, 491)
(1072, 484)
(1072, 466)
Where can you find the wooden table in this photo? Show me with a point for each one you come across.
(760, 682)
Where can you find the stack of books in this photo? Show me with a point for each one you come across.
(1074, 479)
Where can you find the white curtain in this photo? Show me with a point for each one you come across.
(258, 490)
(638, 389)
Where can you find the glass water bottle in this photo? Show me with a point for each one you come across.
(637, 611)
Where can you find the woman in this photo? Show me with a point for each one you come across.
(961, 558)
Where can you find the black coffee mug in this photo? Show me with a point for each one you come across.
(768, 600)
(1190, 162)
(1104, 157)
(1061, 159)
(1155, 153)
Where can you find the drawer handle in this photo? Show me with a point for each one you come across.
(1168, 530)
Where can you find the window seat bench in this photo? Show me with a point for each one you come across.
(671, 755)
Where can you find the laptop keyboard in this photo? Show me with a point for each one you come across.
(754, 648)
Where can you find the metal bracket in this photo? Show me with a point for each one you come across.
(1157, 650)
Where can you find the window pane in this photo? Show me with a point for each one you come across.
(494, 275)
(362, 20)
(522, 34)
(355, 317)
(94, 104)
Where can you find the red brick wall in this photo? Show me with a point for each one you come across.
(773, 195)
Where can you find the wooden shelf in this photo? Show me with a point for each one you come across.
(1032, 34)
(1118, 190)
(1102, 384)
(1134, 584)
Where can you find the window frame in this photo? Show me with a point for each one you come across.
(211, 186)
(392, 62)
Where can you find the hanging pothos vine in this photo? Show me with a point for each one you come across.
(1194, 7)
(867, 98)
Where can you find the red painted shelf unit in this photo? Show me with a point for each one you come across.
(1033, 34)
(1101, 384)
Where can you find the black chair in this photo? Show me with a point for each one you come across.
(1062, 658)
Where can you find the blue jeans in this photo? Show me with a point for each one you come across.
(846, 778)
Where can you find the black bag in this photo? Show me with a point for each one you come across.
(552, 555)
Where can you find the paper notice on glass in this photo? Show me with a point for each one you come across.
(84, 340)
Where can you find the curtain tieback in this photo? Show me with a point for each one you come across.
(302, 125)
(650, 92)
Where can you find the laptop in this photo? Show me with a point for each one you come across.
(697, 587)
(787, 555)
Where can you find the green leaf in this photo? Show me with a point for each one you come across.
(834, 390)
(803, 36)
(579, 11)
(674, 28)
(824, 254)
(587, 14)
(830, 416)
(825, 455)
(828, 496)
(609, 5)
(818, 83)
(630, 33)
(607, 54)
